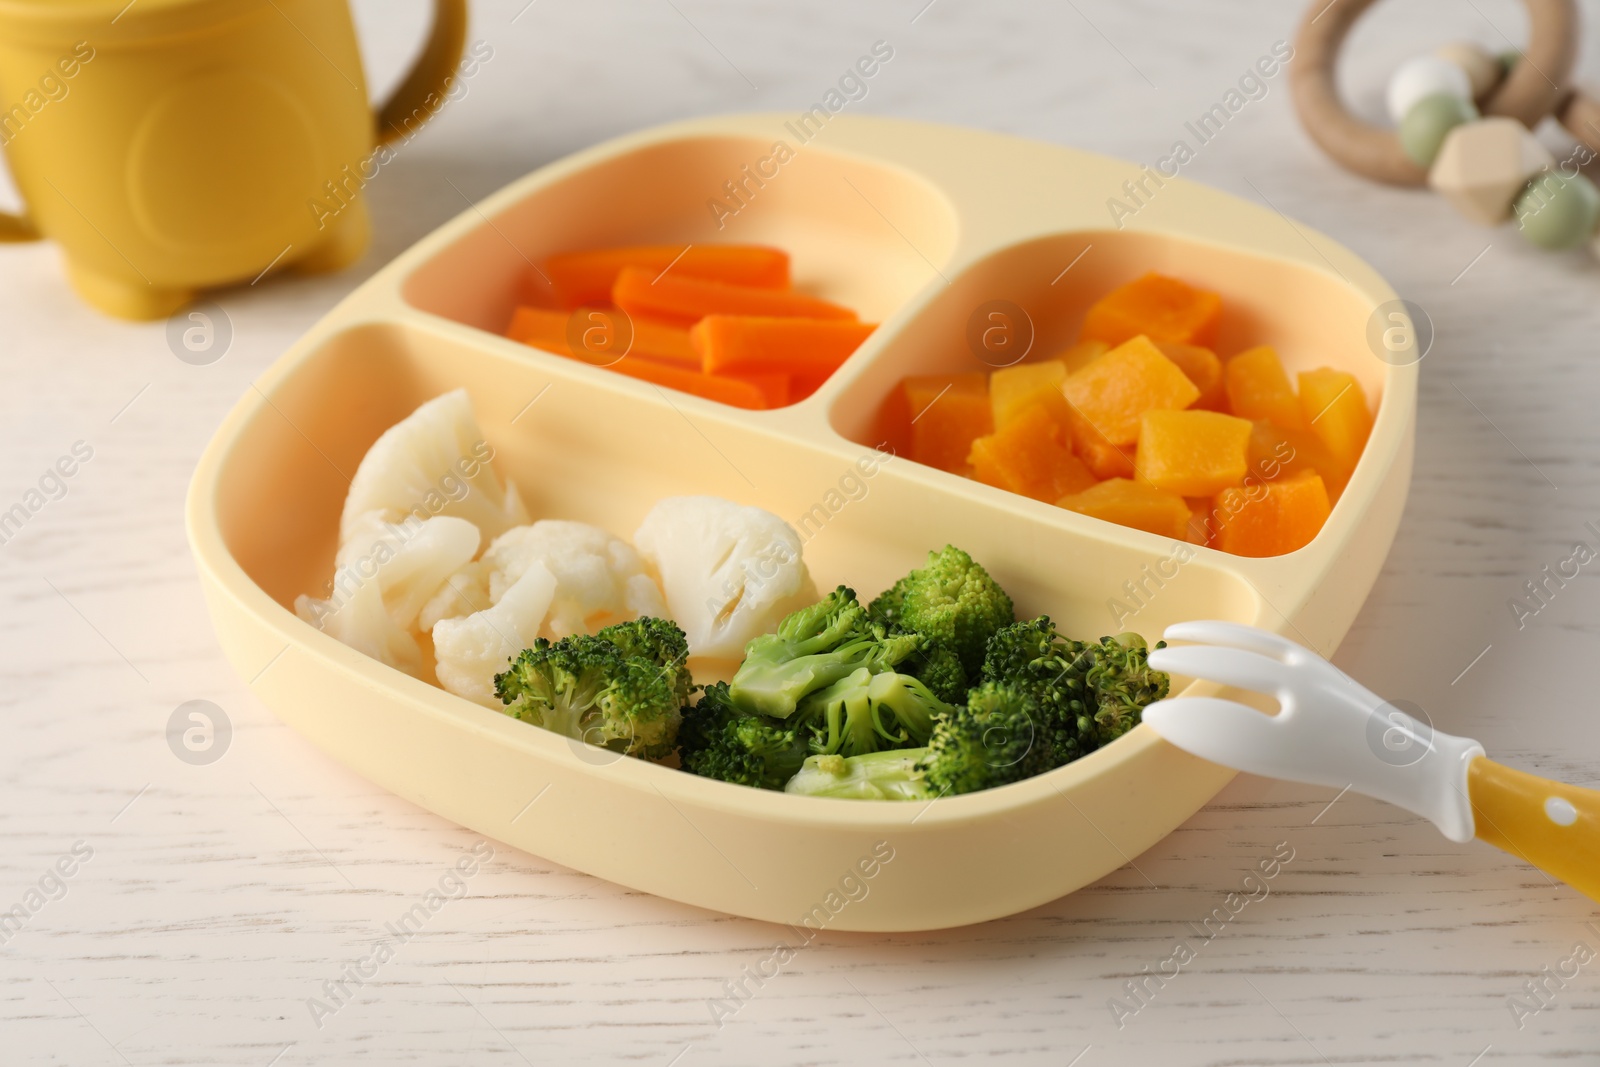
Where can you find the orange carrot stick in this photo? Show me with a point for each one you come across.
(586, 277)
(805, 348)
(756, 392)
(677, 298)
(553, 330)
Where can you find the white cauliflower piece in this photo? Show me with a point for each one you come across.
(384, 575)
(470, 651)
(464, 592)
(433, 462)
(729, 572)
(599, 578)
(360, 620)
(410, 559)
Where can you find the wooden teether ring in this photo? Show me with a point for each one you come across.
(1532, 90)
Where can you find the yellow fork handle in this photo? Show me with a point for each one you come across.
(407, 108)
(1553, 826)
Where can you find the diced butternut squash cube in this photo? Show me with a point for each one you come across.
(1104, 459)
(1258, 388)
(1082, 354)
(1131, 503)
(1269, 518)
(1193, 453)
(945, 413)
(1202, 367)
(1335, 409)
(1113, 391)
(1278, 453)
(1027, 455)
(1014, 389)
(1162, 308)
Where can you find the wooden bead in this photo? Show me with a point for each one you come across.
(1557, 212)
(1421, 77)
(1430, 120)
(1479, 64)
(1483, 165)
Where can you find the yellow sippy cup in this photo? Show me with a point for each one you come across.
(173, 145)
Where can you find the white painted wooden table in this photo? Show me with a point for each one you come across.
(219, 899)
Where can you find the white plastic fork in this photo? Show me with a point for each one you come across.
(1332, 731)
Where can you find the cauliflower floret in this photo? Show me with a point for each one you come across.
(729, 572)
(384, 575)
(360, 620)
(464, 592)
(470, 651)
(411, 559)
(599, 578)
(433, 462)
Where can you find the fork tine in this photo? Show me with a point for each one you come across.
(1226, 666)
(1218, 730)
(1235, 635)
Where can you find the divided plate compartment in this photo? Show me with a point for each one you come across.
(915, 226)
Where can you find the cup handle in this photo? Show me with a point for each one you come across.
(15, 228)
(429, 75)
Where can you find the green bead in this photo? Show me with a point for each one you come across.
(1558, 212)
(1423, 130)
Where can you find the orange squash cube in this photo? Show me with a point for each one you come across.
(1193, 453)
(1335, 408)
(1258, 388)
(945, 413)
(1270, 518)
(1111, 393)
(1027, 456)
(1202, 367)
(1014, 389)
(1130, 503)
(1082, 354)
(1162, 308)
(1104, 459)
(1278, 453)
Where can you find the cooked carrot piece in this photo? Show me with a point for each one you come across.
(586, 277)
(678, 298)
(1161, 308)
(1202, 367)
(808, 348)
(1270, 518)
(1027, 456)
(940, 415)
(1258, 388)
(754, 391)
(1113, 391)
(546, 329)
(1136, 504)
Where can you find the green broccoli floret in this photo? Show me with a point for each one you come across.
(887, 775)
(867, 711)
(662, 642)
(939, 668)
(718, 740)
(885, 610)
(1124, 683)
(589, 689)
(997, 737)
(813, 648)
(1090, 693)
(950, 600)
